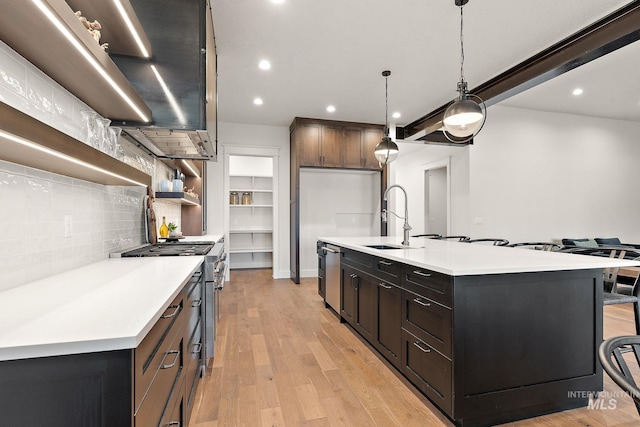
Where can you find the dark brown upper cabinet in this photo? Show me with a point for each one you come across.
(371, 138)
(330, 144)
(317, 143)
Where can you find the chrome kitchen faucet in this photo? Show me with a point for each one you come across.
(406, 227)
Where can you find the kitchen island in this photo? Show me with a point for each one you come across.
(489, 334)
(117, 342)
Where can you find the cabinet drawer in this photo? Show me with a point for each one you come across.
(193, 306)
(428, 320)
(193, 363)
(428, 370)
(150, 355)
(163, 385)
(435, 286)
(357, 259)
(391, 271)
(174, 411)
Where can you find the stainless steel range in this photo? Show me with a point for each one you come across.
(214, 271)
(171, 249)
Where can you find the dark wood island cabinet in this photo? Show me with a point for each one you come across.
(150, 385)
(487, 348)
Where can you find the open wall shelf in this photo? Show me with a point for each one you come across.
(75, 60)
(29, 142)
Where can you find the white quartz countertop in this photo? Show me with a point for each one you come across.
(464, 259)
(108, 305)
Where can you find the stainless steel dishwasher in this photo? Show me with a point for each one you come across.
(333, 276)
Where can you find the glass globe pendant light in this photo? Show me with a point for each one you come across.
(464, 117)
(386, 151)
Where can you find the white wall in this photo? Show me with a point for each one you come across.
(408, 171)
(247, 165)
(335, 203)
(533, 175)
(256, 136)
(436, 204)
(548, 175)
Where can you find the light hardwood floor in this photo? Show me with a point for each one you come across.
(282, 359)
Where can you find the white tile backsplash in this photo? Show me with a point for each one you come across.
(33, 206)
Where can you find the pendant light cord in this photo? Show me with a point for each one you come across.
(386, 105)
(461, 44)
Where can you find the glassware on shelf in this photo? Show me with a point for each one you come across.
(234, 199)
(102, 130)
(149, 166)
(89, 128)
(114, 136)
(118, 152)
(246, 198)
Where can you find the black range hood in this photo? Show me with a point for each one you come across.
(173, 82)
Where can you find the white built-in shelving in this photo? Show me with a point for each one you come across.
(251, 222)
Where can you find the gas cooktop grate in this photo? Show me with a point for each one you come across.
(170, 249)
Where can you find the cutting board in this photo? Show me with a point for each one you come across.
(151, 218)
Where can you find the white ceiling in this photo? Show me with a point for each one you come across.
(610, 84)
(334, 51)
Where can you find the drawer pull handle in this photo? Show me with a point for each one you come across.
(422, 303)
(199, 346)
(197, 274)
(420, 273)
(175, 359)
(168, 316)
(173, 423)
(385, 263)
(382, 285)
(197, 303)
(425, 350)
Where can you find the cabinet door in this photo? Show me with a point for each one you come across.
(331, 146)
(353, 148)
(322, 278)
(308, 137)
(348, 283)
(389, 332)
(428, 370)
(371, 138)
(366, 306)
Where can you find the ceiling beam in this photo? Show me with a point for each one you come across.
(610, 33)
(437, 137)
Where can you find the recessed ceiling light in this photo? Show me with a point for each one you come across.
(396, 115)
(264, 64)
(331, 108)
(577, 91)
(257, 101)
(277, 1)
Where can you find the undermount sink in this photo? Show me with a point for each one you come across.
(387, 247)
